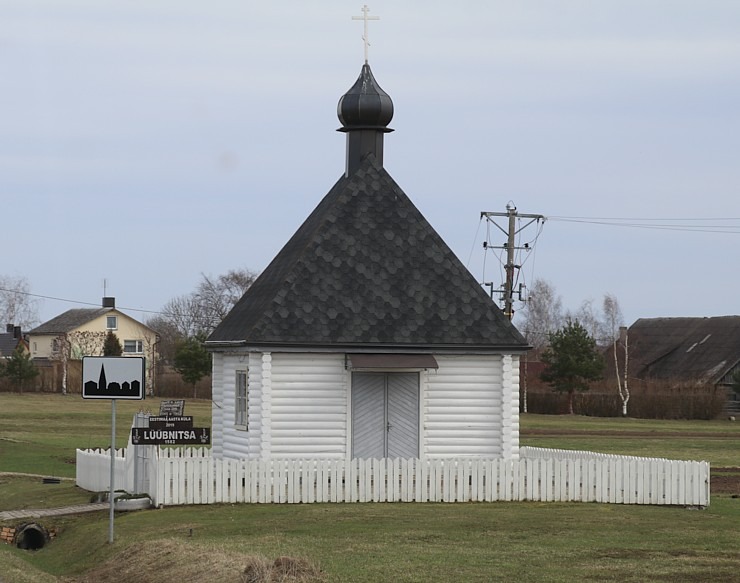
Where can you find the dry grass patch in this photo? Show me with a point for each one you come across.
(175, 560)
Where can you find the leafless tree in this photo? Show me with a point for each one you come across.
(17, 306)
(167, 335)
(614, 325)
(61, 351)
(216, 296)
(542, 314)
(201, 311)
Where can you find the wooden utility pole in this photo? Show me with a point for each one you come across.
(510, 267)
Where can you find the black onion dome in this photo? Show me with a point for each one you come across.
(365, 105)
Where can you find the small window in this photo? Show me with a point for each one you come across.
(111, 322)
(133, 346)
(240, 414)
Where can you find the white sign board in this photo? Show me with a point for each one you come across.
(113, 377)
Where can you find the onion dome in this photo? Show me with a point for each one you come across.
(365, 105)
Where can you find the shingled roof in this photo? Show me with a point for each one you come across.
(69, 320)
(10, 340)
(366, 268)
(685, 348)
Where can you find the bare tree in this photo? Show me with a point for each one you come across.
(184, 313)
(217, 296)
(167, 336)
(17, 306)
(614, 326)
(61, 351)
(201, 311)
(592, 320)
(543, 313)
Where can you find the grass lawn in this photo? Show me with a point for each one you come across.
(369, 542)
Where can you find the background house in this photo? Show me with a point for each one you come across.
(10, 340)
(58, 345)
(686, 351)
(365, 337)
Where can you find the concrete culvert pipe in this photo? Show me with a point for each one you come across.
(31, 537)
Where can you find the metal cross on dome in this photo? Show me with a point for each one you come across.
(365, 16)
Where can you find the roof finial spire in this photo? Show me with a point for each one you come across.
(365, 16)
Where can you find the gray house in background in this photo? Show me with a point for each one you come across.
(10, 340)
(703, 350)
(366, 336)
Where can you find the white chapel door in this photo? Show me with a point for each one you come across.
(385, 415)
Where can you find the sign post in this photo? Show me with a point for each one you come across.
(113, 377)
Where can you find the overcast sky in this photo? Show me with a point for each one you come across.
(147, 143)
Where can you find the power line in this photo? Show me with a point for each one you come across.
(685, 225)
(43, 297)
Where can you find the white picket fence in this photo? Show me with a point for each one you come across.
(192, 476)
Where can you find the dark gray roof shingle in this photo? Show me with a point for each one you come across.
(684, 348)
(366, 268)
(8, 344)
(69, 320)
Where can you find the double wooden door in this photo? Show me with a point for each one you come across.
(385, 415)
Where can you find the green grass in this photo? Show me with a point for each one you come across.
(378, 542)
(432, 542)
(712, 441)
(19, 492)
(40, 432)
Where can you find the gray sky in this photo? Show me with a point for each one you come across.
(146, 143)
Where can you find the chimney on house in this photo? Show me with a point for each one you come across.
(16, 332)
(365, 112)
(109, 302)
(622, 334)
(9, 328)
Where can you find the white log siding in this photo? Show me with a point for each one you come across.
(468, 408)
(217, 411)
(309, 406)
(228, 440)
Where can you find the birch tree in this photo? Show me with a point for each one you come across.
(614, 323)
(61, 351)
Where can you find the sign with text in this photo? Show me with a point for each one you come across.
(191, 436)
(171, 422)
(113, 377)
(174, 407)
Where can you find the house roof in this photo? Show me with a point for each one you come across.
(366, 268)
(8, 343)
(684, 348)
(69, 320)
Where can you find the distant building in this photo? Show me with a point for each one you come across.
(685, 350)
(11, 340)
(81, 332)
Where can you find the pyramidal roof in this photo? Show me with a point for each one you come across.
(366, 270)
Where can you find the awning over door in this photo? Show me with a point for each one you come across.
(391, 361)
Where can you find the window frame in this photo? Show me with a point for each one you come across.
(138, 347)
(108, 320)
(241, 399)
